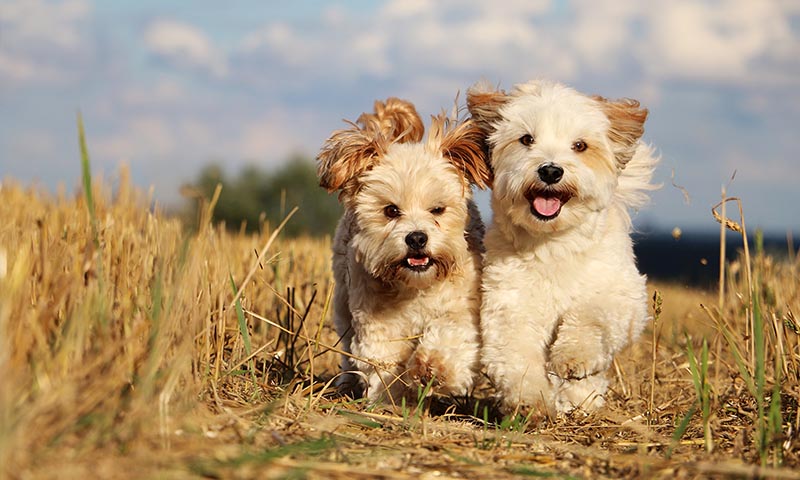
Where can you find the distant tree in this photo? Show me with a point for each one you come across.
(257, 196)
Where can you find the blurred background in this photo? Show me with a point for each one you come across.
(245, 92)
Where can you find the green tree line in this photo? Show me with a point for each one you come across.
(258, 198)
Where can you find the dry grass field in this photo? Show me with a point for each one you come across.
(131, 347)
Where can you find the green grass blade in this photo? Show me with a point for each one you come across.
(694, 369)
(706, 386)
(678, 434)
(87, 179)
(261, 458)
(775, 415)
(532, 471)
(758, 339)
(759, 347)
(248, 347)
(85, 167)
(740, 364)
(422, 394)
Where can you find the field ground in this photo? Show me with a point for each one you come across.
(126, 352)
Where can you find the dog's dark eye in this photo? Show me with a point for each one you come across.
(437, 210)
(526, 140)
(391, 211)
(579, 146)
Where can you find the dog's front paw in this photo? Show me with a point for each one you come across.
(575, 360)
(350, 385)
(427, 368)
(445, 375)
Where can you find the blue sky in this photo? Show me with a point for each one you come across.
(168, 87)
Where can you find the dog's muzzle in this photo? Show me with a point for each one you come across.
(417, 259)
(546, 203)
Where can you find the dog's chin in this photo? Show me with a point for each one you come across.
(546, 203)
(417, 262)
(420, 270)
(417, 270)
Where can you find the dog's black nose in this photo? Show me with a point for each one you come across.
(550, 173)
(417, 240)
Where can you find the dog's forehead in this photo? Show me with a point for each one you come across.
(555, 106)
(414, 173)
(412, 159)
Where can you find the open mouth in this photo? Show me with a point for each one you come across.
(418, 262)
(546, 204)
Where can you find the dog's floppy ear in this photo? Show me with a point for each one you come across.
(627, 126)
(483, 103)
(346, 155)
(396, 119)
(462, 144)
(349, 153)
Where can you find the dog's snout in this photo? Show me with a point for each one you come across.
(550, 173)
(417, 240)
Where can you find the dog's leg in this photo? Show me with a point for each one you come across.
(579, 346)
(447, 353)
(578, 360)
(514, 349)
(585, 344)
(347, 382)
(381, 348)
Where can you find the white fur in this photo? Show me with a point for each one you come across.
(561, 296)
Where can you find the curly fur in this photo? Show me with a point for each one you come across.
(561, 292)
(407, 316)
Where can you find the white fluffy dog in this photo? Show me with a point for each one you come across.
(407, 251)
(561, 292)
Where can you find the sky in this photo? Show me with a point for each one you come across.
(167, 86)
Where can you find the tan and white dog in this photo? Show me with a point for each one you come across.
(407, 251)
(561, 291)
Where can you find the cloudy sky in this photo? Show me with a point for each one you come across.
(169, 86)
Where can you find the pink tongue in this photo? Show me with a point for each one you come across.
(417, 262)
(546, 206)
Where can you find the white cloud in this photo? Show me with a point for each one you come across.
(469, 38)
(709, 66)
(408, 8)
(402, 39)
(286, 44)
(339, 48)
(146, 139)
(601, 34)
(278, 133)
(726, 41)
(701, 40)
(54, 23)
(18, 68)
(164, 92)
(156, 140)
(185, 46)
(43, 42)
(273, 136)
